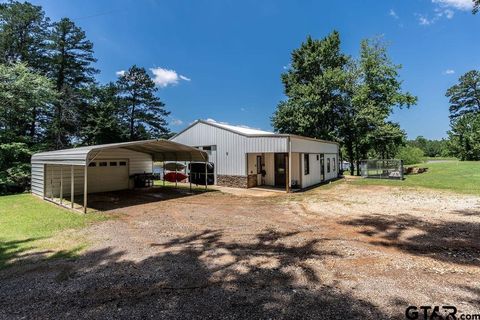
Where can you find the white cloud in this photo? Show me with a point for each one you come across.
(425, 21)
(449, 71)
(464, 5)
(444, 9)
(165, 77)
(449, 13)
(120, 73)
(177, 122)
(393, 14)
(243, 109)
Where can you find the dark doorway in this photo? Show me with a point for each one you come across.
(322, 166)
(280, 169)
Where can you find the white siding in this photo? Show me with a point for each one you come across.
(312, 146)
(138, 162)
(231, 147)
(314, 177)
(333, 168)
(37, 178)
(53, 174)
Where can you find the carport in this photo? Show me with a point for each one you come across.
(62, 174)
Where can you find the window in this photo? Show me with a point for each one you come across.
(318, 157)
(92, 164)
(207, 148)
(306, 163)
(102, 164)
(113, 163)
(122, 163)
(333, 164)
(328, 165)
(259, 164)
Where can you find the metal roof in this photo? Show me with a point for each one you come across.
(247, 132)
(160, 149)
(240, 129)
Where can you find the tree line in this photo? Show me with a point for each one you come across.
(334, 96)
(50, 99)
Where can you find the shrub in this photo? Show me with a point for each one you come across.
(410, 155)
(14, 167)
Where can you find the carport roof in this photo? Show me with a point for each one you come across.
(160, 149)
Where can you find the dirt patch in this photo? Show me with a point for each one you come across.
(330, 253)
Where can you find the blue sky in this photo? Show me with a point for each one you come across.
(223, 59)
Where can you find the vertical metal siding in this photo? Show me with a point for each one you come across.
(231, 147)
(52, 180)
(138, 162)
(37, 178)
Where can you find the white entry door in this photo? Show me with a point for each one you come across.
(107, 175)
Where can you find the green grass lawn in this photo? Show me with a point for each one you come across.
(29, 225)
(457, 176)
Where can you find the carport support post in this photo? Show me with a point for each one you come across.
(85, 188)
(175, 171)
(72, 186)
(206, 175)
(163, 172)
(61, 184)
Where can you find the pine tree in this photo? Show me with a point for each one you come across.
(23, 34)
(71, 58)
(102, 120)
(144, 112)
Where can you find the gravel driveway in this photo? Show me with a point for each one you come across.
(338, 252)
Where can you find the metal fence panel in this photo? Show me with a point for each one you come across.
(382, 168)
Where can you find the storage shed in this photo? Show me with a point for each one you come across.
(64, 174)
(245, 157)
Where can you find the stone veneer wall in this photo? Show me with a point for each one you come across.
(232, 181)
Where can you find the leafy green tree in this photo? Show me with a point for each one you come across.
(465, 136)
(386, 139)
(25, 99)
(465, 96)
(410, 155)
(14, 167)
(144, 112)
(102, 117)
(313, 86)
(23, 34)
(375, 92)
(331, 96)
(476, 6)
(70, 64)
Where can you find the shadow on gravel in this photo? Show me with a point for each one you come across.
(194, 277)
(125, 198)
(455, 242)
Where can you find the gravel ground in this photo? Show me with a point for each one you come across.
(341, 252)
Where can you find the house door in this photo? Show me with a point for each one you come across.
(280, 169)
(322, 167)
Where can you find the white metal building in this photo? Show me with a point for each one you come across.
(245, 157)
(63, 174)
